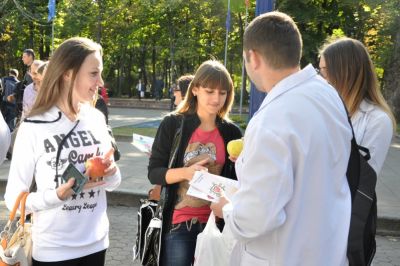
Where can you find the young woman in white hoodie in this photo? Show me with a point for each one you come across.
(64, 128)
(345, 63)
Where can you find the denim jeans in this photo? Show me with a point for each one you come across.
(179, 243)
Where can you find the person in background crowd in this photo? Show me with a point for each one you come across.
(205, 134)
(104, 94)
(158, 88)
(140, 88)
(32, 89)
(70, 228)
(41, 71)
(293, 205)
(345, 63)
(181, 88)
(172, 96)
(28, 56)
(5, 139)
(101, 105)
(8, 99)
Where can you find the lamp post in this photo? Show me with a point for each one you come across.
(243, 68)
(227, 25)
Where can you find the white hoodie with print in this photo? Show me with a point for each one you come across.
(78, 226)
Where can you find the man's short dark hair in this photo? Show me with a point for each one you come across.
(30, 52)
(13, 72)
(276, 38)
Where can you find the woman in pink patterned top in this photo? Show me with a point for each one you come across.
(205, 135)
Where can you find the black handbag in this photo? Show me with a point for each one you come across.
(149, 234)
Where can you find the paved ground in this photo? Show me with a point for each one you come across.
(134, 170)
(123, 231)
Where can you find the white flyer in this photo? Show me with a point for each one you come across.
(143, 143)
(210, 187)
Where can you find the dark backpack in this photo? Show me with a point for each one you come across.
(19, 95)
(362, 178)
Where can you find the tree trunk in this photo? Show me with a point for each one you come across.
(153, 66)
(99, 20)
(392, 75)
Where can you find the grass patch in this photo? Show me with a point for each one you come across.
(128, 131)
(240, 120)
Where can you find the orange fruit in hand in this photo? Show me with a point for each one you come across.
(95, 167)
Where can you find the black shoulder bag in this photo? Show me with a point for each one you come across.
(149, 234)
(361, 245)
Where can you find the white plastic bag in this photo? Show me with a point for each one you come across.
(213, 248)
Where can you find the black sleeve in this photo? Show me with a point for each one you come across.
(229, 166)
(160, 152)
(236, 132)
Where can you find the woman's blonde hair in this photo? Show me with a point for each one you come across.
(210, 74)
(70, 55)
(350, 70)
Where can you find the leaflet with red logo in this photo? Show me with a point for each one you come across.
(210, 187)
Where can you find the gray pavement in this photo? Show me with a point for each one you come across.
(123, 226)
(133, 164)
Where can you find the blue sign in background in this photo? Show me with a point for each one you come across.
(256, 97)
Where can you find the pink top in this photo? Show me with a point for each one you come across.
(202, 144)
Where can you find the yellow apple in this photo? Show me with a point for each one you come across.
(235, 147)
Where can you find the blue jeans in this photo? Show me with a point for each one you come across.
(179, 243)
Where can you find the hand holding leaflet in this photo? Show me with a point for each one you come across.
(210, 187)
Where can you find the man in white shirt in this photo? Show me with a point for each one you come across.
(140, 90)
(293, 205)
(5, 139)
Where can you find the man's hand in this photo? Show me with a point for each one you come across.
(217, 207)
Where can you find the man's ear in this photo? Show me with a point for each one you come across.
(255, 57)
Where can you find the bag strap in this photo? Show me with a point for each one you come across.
(60, 146)
(172, 159)
(365, 150)
(16, 205)
(19, 202)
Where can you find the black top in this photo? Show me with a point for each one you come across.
(158, 163)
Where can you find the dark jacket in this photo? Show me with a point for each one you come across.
(9, 87)
(158, 163)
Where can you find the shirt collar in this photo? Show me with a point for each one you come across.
(289, 83)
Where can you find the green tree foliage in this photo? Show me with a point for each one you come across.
(163, 39)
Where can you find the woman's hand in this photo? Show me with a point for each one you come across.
(233, 158)
(64, 191)
(109, 171)
(175, 175)
(199, 166)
